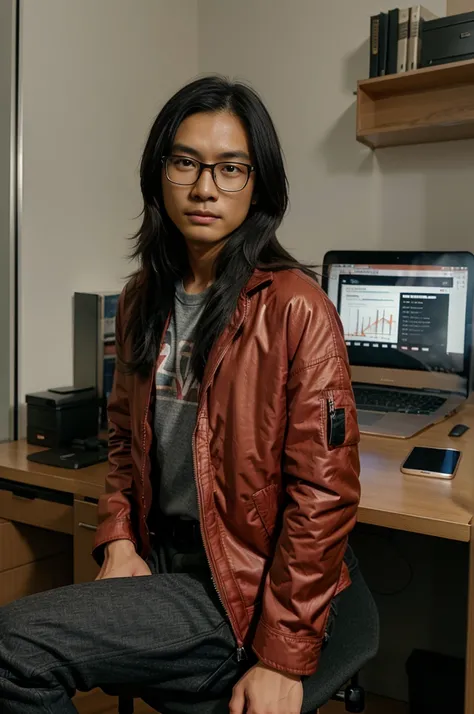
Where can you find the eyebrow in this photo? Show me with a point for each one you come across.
(237, 154)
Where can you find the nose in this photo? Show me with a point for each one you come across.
(205, 188)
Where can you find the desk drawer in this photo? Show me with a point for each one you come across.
(85, 526)
(36, 506)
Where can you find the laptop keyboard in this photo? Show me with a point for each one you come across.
(379, 400)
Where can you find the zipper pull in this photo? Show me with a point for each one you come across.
(332, 409)
(336, 424)
(241, 654)
(331, 416)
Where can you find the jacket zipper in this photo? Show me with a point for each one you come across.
(332, 414)
(332, 408)
(142, 471)
(241, 653)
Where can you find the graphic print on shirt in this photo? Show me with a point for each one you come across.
(174, 378)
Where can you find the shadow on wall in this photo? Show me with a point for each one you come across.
(427, 196)
(423, 194)
(341, 152)
(356, 66)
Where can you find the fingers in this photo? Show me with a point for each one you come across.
(237, 703)
(141, 570)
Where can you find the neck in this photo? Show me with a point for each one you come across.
(202, 260)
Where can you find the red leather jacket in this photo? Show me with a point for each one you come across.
(276, 465)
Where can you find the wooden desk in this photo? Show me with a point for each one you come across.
(389, 498)
(412, 503)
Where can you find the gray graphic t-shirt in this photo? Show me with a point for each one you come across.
(176, 407)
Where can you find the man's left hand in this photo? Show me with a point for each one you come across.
(266, 691)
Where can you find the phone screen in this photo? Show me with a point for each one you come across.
(441, 461)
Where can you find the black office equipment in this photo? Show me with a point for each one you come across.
(448, 39)
(74, 457)
(59, 415)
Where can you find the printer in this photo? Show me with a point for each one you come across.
(60, 415)
(447, 39)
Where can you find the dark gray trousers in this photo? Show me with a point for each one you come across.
(164, 638)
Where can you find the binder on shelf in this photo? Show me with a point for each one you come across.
(403, 31)
(418, 15)
(392, 53)
(383, 44)
(374, 45)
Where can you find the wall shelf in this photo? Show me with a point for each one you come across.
(425, 105)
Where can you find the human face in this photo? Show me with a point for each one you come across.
(209, 137)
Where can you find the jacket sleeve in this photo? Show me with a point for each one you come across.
(321, 476)
(115, 504)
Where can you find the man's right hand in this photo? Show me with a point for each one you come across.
(122, 561)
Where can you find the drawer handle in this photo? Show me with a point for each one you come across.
(87, 526)
(25, 495)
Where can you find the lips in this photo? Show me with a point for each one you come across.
(202, 218)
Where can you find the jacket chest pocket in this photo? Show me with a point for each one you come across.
(339, 419)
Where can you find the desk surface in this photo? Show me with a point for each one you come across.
(415, 503)
(389, 498)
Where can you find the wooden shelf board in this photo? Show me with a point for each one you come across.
(423, 106)
(405, 135)
(419, 80)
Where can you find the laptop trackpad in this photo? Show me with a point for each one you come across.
(369, 418)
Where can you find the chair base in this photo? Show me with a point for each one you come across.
(353, 697)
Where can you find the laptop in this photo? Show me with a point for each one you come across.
(408, 326)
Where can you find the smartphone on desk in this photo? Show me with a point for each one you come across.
(432, 462)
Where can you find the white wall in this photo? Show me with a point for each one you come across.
(305, 57)
(457, 6)
(93, 76)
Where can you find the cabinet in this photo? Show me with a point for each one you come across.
(36, 506)
(85, 526)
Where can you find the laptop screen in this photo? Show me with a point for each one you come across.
(402, 316)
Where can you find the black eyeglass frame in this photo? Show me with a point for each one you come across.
(212, 167)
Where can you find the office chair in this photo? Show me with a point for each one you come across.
(353, 643)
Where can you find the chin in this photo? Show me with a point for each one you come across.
(202, 236)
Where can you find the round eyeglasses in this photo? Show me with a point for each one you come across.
(228, 175)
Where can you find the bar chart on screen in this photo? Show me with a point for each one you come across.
(372, 323)
(369, 314)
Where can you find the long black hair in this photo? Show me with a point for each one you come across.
(160, 248)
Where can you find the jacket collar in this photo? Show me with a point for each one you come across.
(259, 277)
